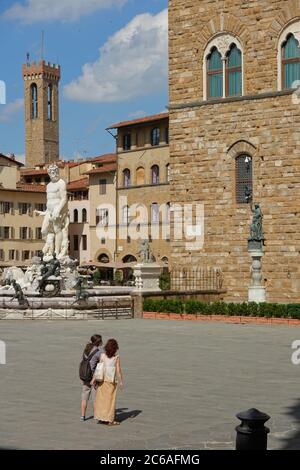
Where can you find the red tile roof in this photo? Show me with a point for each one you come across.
(31, 188)
(83, 183)
(106, 158)
(154, 117)
(33, 171)
(12, 160)
(102, 169)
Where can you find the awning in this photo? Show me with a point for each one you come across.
(117, 264)
(114, 265)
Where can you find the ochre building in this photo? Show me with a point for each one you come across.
(143, 189)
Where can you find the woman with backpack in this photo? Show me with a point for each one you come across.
(105, 403)
(90, 359)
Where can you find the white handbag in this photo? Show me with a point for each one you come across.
(99, 372)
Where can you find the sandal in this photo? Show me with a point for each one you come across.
(113, 423)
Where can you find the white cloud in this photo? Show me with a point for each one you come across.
(20, 157)
(64, 10)
(137, 114)
(8, 110)
(133, 62)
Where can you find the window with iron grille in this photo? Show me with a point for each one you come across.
(244, 179)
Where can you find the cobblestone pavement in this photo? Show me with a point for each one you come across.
(184, 383)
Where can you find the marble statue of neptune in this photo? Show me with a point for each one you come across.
(56, 217)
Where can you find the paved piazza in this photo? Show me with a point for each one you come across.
(184, 382)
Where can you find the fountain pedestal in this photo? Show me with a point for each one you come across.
(147, 277)
(256, 292)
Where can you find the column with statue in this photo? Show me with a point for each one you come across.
(256, 291)
(147, 272)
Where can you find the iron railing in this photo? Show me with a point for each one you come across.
(197, 279)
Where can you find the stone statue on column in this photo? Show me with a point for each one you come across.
(256, 292)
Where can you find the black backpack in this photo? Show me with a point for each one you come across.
(85, 371)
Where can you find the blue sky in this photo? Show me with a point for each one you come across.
(113, 61)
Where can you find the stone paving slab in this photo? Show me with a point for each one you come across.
(184, 384)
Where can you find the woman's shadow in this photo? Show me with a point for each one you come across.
(122, 414)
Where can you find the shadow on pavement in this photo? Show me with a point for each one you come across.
(122, 414)
(293, 442)
(89, 417)
(8, 448)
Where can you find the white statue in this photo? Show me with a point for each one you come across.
(56, 217)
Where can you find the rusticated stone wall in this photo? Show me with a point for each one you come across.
(205, 138)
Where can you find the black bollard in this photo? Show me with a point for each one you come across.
(252, 434)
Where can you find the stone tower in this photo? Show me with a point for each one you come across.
(41, 112)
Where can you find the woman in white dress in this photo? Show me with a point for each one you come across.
(105, 403)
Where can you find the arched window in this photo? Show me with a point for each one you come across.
(75, 215)
(155, 174)
(155, 136)
(34, 101)
(103, 258)
(215, 74)
(234, 72)
(168, 172)
(167, 212)
(50, 102)
(84, 215)
(223, 67)
(140, 176)
(129, 259)
(126, 178)
(244, 179)
(290, 61)
(154, 213)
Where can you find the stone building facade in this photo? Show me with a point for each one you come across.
(20, 228)
(102, 223)
(41, 83)
(143, 194)
(224, 114)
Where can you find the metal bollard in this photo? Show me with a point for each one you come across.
(252, 434)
